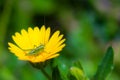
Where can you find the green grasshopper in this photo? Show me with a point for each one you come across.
(36, 51)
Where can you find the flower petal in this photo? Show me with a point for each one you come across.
(52, 56)
(42, 34)
(58, 49)
(22, 40)
(17, 51)
(47, 35)
(53, 40)
(57, 45)
(33, 37)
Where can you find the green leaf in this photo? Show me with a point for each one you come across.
(60, 70)
(77, 73)
(63, 68)
(106, 65)
(78, 64)
(56, 74)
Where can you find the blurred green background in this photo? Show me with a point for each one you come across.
(90, 26)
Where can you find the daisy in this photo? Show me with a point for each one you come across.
(37, 45)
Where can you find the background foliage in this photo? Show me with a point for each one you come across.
(90, 26)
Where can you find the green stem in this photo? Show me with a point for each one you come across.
(45, 73)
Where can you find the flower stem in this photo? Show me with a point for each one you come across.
(45, 73)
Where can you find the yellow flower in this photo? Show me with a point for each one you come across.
(37, 45)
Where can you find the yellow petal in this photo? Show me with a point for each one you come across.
(56, 40)
(47, 35)
(58, 49)
(39, 58)
(36, 36)
(27, 43)
(57, 45)
(42, 33)
(52, 40)
(22, 40)
(32, 36)
(17, 51)
(52, 56)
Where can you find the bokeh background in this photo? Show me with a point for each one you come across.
(89, 26)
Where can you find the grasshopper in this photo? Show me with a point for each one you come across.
(36, 51)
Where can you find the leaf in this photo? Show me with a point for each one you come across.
(106, 65)
(63, 68)
(56, 74)
(77, 73)
(78, 64)
(60, 70)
